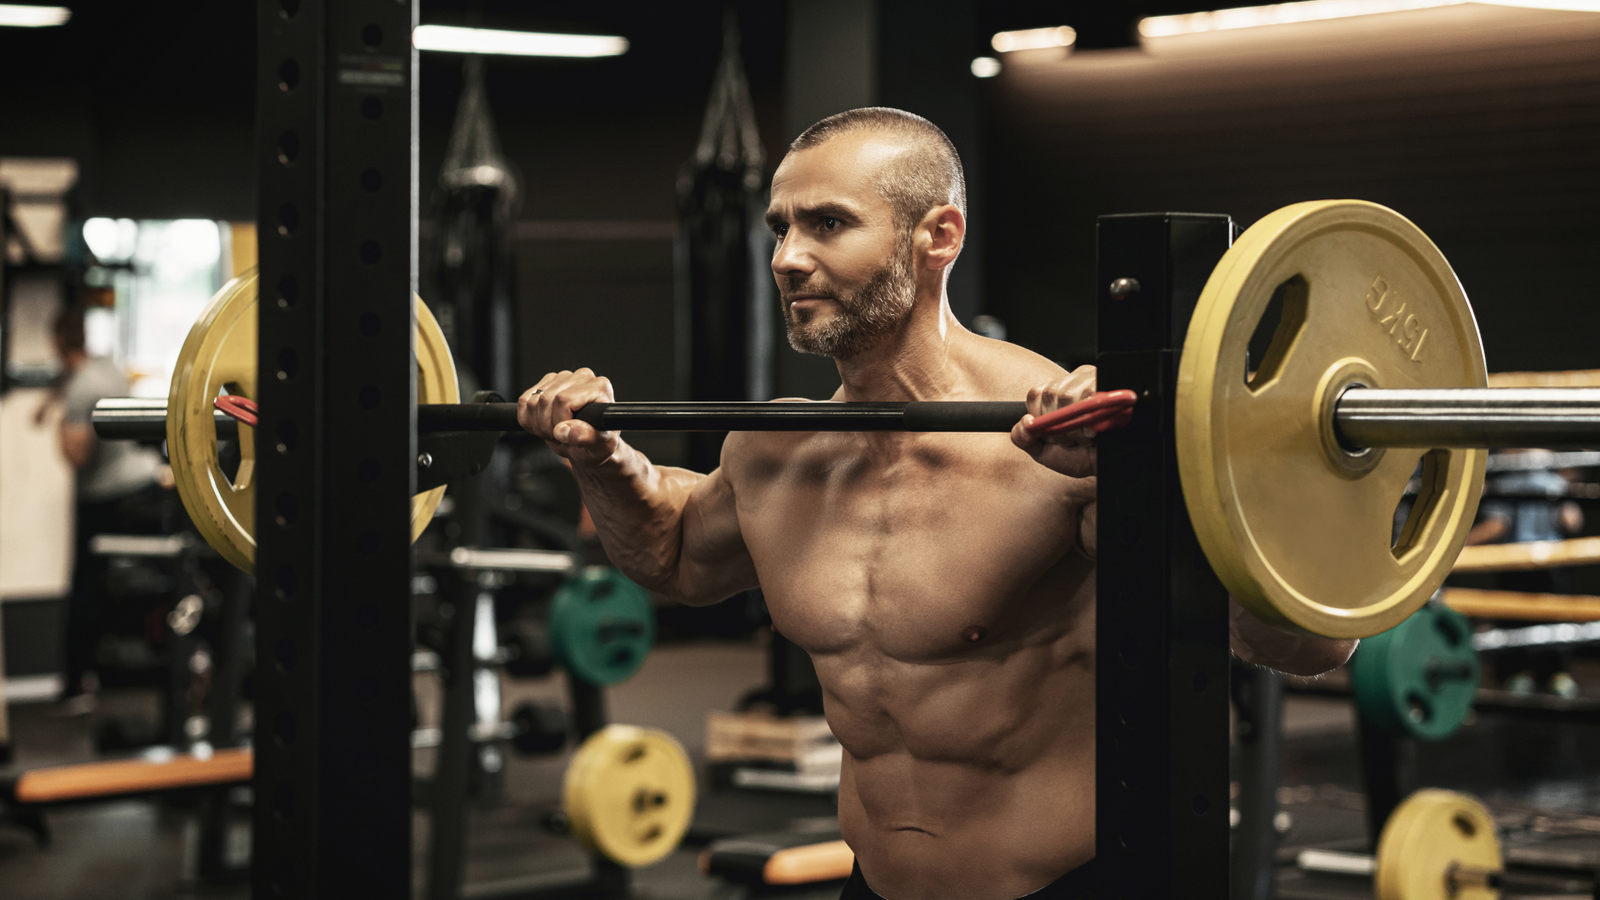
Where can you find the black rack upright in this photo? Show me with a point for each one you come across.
(1161, 804)
(336, 448)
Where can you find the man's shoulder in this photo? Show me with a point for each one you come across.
(1014, 368)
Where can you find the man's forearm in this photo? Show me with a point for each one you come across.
(637, 508)
(1254, 641)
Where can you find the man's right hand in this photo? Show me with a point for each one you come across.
(546, 409)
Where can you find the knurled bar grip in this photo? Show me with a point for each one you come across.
(826, 416)
(744, 416)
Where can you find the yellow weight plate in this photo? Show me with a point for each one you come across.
(220, 354)
(436, 383)
(1298, 528)
(629, 794)
(1438, 845)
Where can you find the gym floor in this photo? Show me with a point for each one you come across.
(1539, 778)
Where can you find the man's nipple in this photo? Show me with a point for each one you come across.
(975, 633)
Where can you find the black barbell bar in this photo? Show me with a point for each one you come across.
(1363, 417)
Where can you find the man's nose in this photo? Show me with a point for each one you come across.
(791, 258)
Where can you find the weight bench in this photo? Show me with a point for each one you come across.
(24, 795)
(779, 858)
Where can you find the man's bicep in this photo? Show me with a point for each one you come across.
(715, 562)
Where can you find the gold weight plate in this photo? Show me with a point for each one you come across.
(220, 354)
(1300, 530)
(629, 794)
(1432, 833)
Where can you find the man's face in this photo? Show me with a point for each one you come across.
(844, 272)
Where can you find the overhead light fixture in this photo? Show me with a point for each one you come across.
(1033, 39)
(452, 39)
(33, 16)
(985, 67)
(1321, 10)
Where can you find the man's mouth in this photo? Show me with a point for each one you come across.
(803, 300)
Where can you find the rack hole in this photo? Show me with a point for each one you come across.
(371, 108)
(288, 75)
(285, 653)
(286, 582)
(288, 147)
(288, 219)
(287, 509)
(283, 727)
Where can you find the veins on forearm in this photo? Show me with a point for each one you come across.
(638, 512)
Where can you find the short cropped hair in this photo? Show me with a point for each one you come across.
(927, 176)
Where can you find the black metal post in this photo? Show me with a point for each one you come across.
(1258, 697)
(1161, 804)
(1380, 771)
(335, 111)
(222, 707)
(447, 841)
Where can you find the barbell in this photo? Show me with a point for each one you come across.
(1291, 470)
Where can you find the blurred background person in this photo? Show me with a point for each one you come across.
(117, 491)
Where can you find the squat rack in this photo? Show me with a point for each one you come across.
(336, 131)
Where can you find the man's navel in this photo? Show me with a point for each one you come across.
(975, 633)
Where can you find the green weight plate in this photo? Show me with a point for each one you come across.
(1419, 677)
(601, 626)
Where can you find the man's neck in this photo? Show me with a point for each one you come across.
(916, 361)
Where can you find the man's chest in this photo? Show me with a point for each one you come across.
(925, 543)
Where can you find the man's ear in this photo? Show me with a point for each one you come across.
(946, 227)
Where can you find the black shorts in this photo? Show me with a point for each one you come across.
(1079, 884)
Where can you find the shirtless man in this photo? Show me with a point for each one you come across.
(944, 584)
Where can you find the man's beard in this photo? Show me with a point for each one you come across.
(864, 316)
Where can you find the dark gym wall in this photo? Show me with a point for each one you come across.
(1480, 123)
(155, 103)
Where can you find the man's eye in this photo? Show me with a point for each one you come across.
(829, 223)
(779, 231)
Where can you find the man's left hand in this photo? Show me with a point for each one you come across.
(1071, 452)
